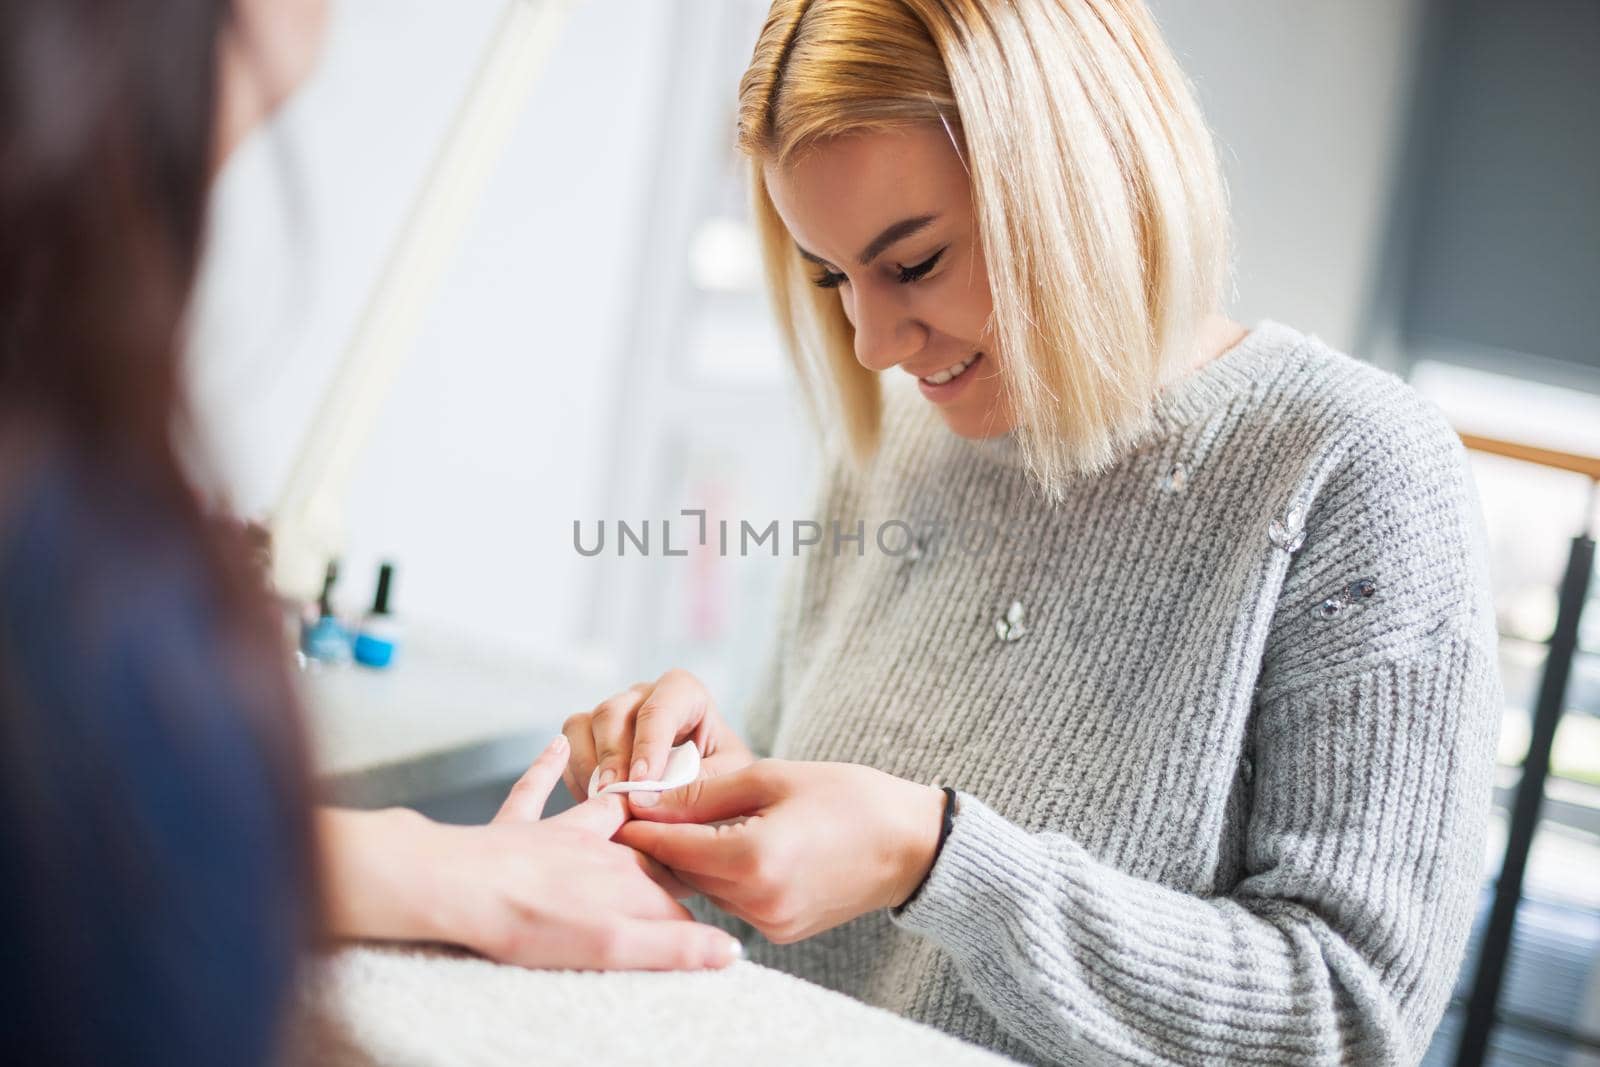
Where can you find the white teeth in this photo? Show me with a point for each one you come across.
(956, 371)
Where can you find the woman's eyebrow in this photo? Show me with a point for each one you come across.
(891, 233)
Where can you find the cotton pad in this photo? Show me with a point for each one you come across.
(683, 767)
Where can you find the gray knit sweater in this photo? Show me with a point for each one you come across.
(1223, 775)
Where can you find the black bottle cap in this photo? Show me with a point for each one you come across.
(329, 579)
(380, 603)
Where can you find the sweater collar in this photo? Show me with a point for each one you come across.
(1234, 372)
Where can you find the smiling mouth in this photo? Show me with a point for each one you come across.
(951, 372)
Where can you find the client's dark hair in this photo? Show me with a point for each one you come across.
(107, 124)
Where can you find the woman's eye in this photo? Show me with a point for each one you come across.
(828, 280)
(912, 273)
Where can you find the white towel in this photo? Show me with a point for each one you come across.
(379, 1007)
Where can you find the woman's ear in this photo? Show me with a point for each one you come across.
(267, 50)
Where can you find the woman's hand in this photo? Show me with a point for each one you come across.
(548, 893)
(817, 845)
(627, 737)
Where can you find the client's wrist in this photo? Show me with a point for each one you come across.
(379, 876)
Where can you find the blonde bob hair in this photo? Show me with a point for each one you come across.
(1095, 187)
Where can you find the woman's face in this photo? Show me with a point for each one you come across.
(886, 219)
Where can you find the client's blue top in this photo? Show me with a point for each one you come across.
(151, 896)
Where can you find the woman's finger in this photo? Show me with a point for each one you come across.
(663, 877)
(713, 799)
(674, 710)
(612, 725)
(727, 904)
(720, 891)
(691, 850)
(526, 801)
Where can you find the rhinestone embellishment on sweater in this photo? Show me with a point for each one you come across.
(1010, 626)
(1357, 591)
(1175, 479)
(1289, 532)
(915, 550)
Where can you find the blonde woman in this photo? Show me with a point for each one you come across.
(1190, 760)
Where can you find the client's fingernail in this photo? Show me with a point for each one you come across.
(607, 776)
(644, 799)
(735, 949)
(641, 770)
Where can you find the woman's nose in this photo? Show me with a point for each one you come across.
(885, 335)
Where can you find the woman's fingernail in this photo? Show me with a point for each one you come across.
(641, 770)
(560, 744)
(607, 776)
(735, 949)
(644, 799)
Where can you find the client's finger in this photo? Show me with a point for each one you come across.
(599, 815)
(526, 801)
(646, 945)
(637, 897)
(580, 735)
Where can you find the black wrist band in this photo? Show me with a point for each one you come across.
(944, 832)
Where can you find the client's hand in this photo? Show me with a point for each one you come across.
(629, 735)
(551, 893)
(818, 844)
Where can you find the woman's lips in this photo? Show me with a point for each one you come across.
(944, 391)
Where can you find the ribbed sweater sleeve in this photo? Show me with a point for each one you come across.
(1318, 956)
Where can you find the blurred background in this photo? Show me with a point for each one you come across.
(1415, 181)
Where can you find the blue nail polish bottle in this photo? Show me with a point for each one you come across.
(324, 639)
(380, 631)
